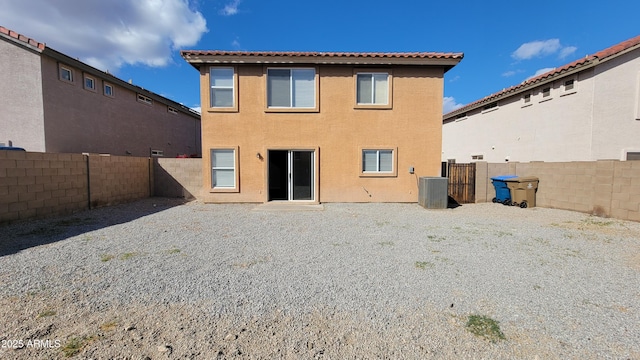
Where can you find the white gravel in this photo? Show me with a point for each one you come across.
(162, 279)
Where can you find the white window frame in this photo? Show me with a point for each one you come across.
(235, 187)
(108, 86)
(93, 83)
(393, 172)
(233, 87)
(63, 69)
(144, 99)
(292, 107)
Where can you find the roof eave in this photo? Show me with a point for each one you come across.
(519, 89)
(198, 60)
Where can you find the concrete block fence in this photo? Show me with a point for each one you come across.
(608, 188)
(36, 185)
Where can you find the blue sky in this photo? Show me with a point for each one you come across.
(504, 42)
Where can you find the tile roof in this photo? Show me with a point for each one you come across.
(20, 37)
(405, 55)
(588, 61)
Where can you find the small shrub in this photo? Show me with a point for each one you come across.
(424, 264)
(106, 257)
(485, 327)
(127, 256)
(47, 313)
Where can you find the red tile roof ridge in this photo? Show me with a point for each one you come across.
(327, 54)
(600, 55)
(22, 38)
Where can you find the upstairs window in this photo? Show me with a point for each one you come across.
(223, 83)
(372, 88)
(291, 88)
(145, 99)
(108, 90)
(569, 85)
(89, 83)
(66, 74)
(546, 92)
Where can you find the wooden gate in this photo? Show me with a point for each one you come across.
(462, 182)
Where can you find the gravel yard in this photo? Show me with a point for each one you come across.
(162, 279)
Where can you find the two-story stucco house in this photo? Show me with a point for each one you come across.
(586, 110)
(319, 127)
(52, 102)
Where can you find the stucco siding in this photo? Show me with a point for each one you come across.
(21, 118)
(616, 96)
(82, 120)
(553, 128)
(337, 133)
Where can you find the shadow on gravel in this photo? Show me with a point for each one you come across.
(23, 235)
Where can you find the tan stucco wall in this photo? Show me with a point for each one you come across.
(21, 118)
(78, 120)
(337, 131)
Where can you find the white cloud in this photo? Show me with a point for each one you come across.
(540, 72)
(449, 104)
(231, 8)
(236, 44)
(536, 48)
(508, 73)
(197, 108)
(108, 34)
(567, 51)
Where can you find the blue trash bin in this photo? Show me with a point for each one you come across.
(503, 195)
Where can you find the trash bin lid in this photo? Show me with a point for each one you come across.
(523, 179)
(504, 177)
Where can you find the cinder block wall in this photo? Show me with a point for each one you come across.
(608, 188)
(118, 179)
(42, 184)
(178, 178)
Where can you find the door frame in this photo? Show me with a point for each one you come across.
(316, 172)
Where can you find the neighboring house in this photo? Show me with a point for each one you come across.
(54, 103)
(319, 127)
(584, 111)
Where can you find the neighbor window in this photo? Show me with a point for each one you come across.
(108, 90)
(222, 81)
(568, 85)
(145, 99)
(157, 153)
(526, 98)
(493, 105)
(291, 88)
(89, 83)
(66, 74)
(172, 110)
(546, 92)
(372, 88)
(377, 161)
(223, 169)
